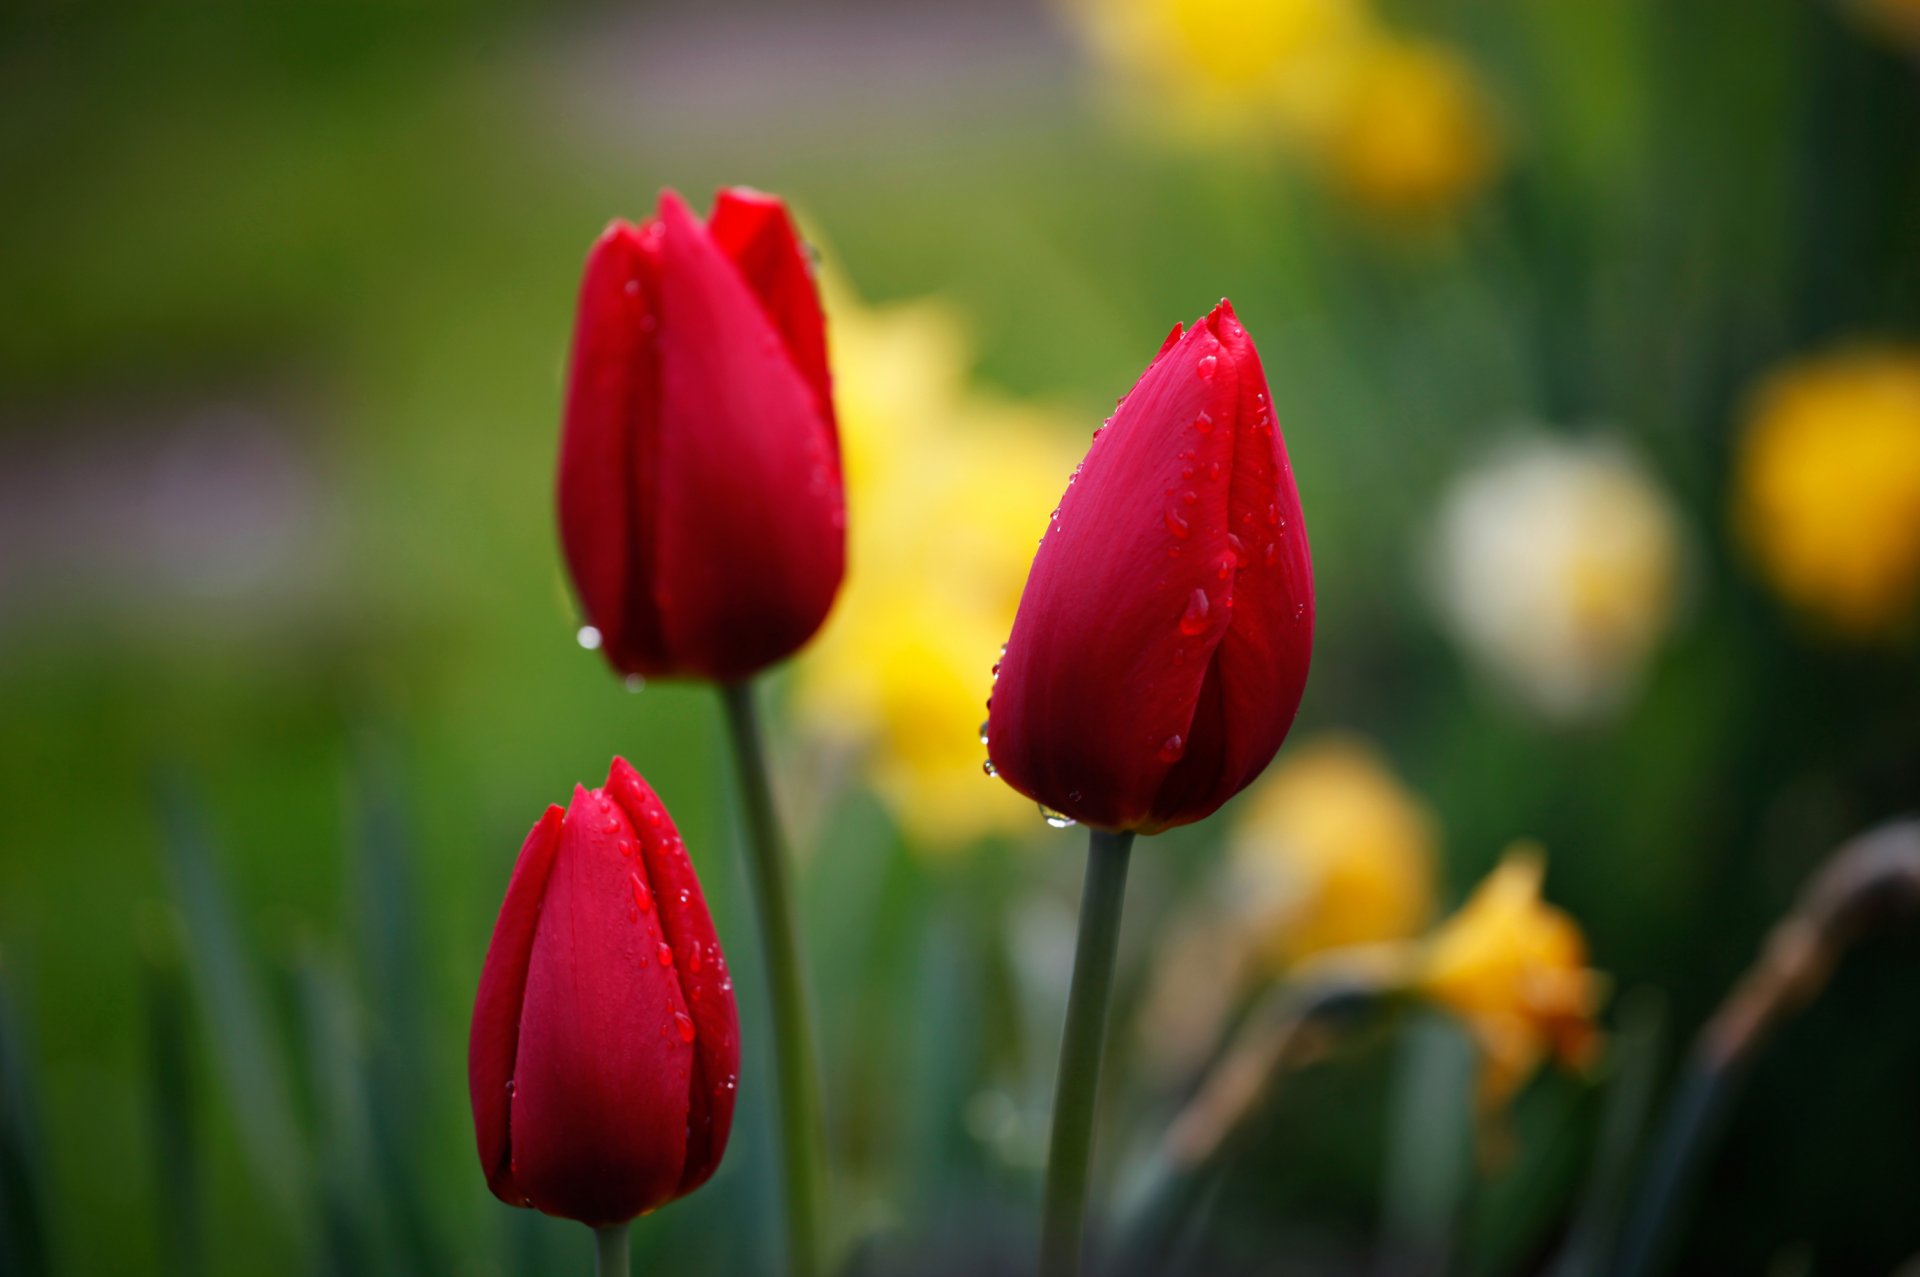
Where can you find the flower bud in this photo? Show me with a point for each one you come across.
(1162, 641)
(605, 1048)
(701, 510)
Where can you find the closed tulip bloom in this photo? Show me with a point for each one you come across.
(1162, 641)
(605, 1047)
(700, 496)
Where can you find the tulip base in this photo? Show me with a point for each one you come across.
(1063, 1223)
(799, 1088)
(610, 1251)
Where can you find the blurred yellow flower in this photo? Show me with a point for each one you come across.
(1827, 487)
(1895, 20)
(948, 490)
(1557, 566)
(1229, 70)
(1411, 133)
(1513, 969)
(1400, 126)
(1330, 850)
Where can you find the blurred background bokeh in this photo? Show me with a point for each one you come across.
(1594, 329)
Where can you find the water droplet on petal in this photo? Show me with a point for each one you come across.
(693, 958)
(1213, 469)
(1171, 749)
(1194, 619)
(1177, 525)
(664, 953)
(684, 1023)
(1189, 497)
(1206, 365)
(1203, 423)
(1057, 819)
(589, 638)
(1273, 516)
(641, 896)
(1239, 549)
(983, 731)
(987, 767)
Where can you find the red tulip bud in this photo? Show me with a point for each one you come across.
(1162, 641)
(605, 1046)
(700, 497)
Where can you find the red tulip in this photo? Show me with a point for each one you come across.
(700, 497)
(605, 1046)
(1162, 641)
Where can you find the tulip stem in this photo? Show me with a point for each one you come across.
(610, 1250)
(1063, 1221)
(799, 1088)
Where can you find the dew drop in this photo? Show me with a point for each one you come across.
(1273, 554)
(1239, 549)
(987, 767)
(641, 896)
(693, 958)
(1203, 423)
(1057, 819)
(684, 1023)
(1273, 516)
(1189, 497)
(1194, 619)
(1206, 365)
(1177, 525)
(1213, 469)
(665, 954)
(589, 638)
(1171, 749)
(983, 731)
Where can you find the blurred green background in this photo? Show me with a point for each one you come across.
(287, 659)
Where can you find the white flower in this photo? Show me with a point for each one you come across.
(1556, 567)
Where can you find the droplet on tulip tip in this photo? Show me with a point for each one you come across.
(983, 732)
(1058, 820)
(988, 768)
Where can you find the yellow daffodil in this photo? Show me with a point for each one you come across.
(1828, 488)
(1557, 567)
(1897, 21)
(1331, 850)
(1411, 133)
(1513, 969)
(1227, 70)
(948, 490)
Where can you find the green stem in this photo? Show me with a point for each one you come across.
(1063, 1223)
(799, 1088)
(610, 1251)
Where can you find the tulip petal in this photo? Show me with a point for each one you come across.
(606, 473)
(1264, 655)
(755, 230)
(600, 1100)
(1129, 595)
(701, 968)
(748, 510)
(494, 1040)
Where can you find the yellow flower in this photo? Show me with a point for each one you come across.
(1897, 21)
(948, 492)
(1411, 133)
(1557, 566)
(1331, 850)
(1229, 70)
(1828, 488)
(1513, 969)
